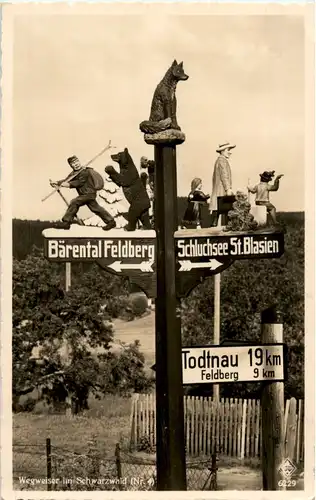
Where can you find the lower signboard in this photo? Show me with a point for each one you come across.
(244, 363)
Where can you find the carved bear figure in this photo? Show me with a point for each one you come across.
(135, 193)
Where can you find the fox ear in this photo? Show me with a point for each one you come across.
(125, 150)
(175, 63)
(180, 64)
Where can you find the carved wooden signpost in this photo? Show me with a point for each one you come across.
(167, 263)
(199, 254)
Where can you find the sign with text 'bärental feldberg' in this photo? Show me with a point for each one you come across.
(119, 250)
(245, 363)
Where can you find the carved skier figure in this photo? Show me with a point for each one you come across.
(196, 198)
(262, 191)
(87, 182)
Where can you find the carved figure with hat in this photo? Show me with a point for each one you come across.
(262, 191)
(87, 182)
(222, 178)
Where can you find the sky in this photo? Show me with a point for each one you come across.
(80, 80)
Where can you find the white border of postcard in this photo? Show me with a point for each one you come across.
(305, 9)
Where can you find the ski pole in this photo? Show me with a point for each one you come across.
(70, 178)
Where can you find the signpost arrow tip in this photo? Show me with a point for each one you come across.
(145, 266)
(187, 265)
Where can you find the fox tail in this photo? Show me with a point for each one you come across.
(149, 127)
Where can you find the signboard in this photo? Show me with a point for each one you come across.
(244, 363)
(120, 251)
(210, 252)
(199, 253)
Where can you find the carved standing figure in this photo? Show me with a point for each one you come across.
(262, 191)
(196, 197)
(222, 178)
(163, 114)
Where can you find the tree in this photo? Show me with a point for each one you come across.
(113, 200)
(55, 334)
(124, 371)
(240, 218)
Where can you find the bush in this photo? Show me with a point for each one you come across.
(139, 305)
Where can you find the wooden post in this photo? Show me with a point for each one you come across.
(171, 471)
(49, 464)
(69, 409)
(272, 408)
(68, 276)
(118, 464)
(217, 322)
(217, 315)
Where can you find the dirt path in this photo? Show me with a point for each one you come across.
(142, 329)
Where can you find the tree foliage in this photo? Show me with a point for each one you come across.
(56, 333)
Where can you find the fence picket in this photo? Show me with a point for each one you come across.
(234, 429)
(147, 416)
(187, 431)
(191, 425)
(213, 425)
(243, 429)
(298, 435)
(200, 409)
(257, 427)
(291, 430)
(302, 434)
(253, 427)
(286, 415)
(205, 421)
(150, 419)
(227, 418)
(248, 423)
(239, 429)
(230, 428)
(222, 425)
(209, 414)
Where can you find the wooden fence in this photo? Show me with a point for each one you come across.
(231, 426)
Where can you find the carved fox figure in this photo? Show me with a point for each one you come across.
(163, 113)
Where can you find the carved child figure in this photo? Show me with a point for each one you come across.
(196, 197)
(262, 191)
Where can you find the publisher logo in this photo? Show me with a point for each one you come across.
(287, 468)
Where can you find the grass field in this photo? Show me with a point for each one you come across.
(108, 421)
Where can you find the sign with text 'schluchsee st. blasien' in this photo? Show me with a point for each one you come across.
(194, 252)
